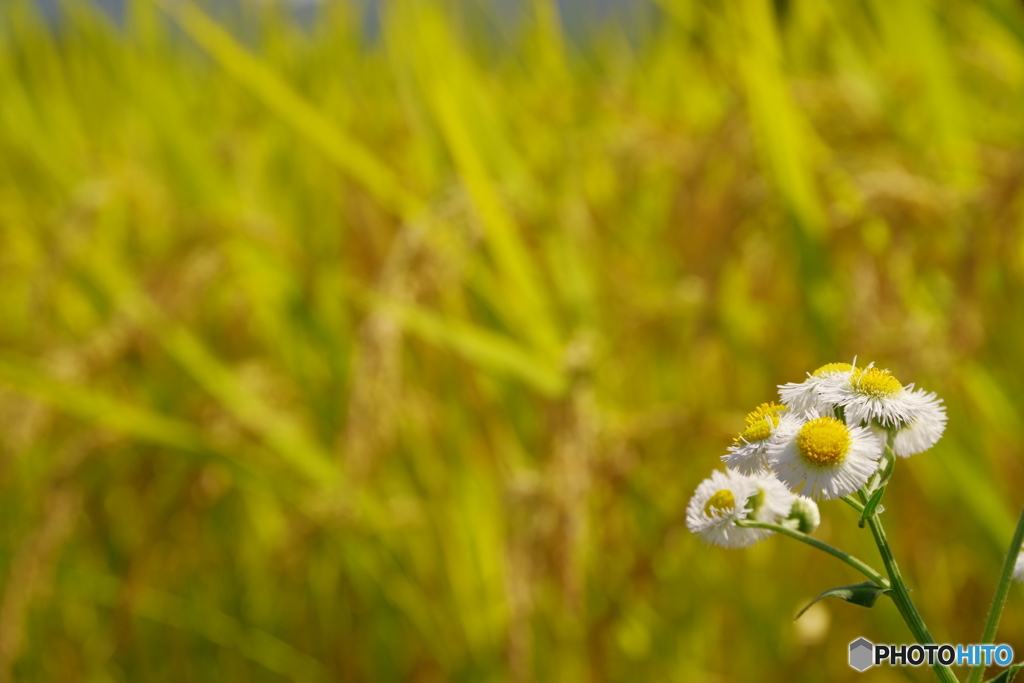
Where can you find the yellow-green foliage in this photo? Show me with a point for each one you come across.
(395, 355)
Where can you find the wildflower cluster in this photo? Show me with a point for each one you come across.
(832, 435)
(837, 435)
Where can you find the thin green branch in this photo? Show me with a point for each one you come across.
(849, 559)
(854, 503)
(999, 601)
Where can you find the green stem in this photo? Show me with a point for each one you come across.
(899, 593)
(860, 566)
(999, 601)
(901, 597)
(854, 503)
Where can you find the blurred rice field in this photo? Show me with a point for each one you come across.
(331, 354)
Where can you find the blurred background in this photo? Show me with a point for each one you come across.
(388, 341)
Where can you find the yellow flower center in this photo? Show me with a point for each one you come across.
(719, 504)
(875, 382)
(759, 431)
(823, 442)
(760, 422)
(831, 369)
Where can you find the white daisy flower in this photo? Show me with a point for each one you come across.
(766, 424)
(1018, 569)
(805, 512)
(833, 459)
(872, 394)
(803, 396)
(716, 505)
(924, 428)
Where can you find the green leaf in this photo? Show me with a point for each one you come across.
(1007, 676)
(863, 594)
(871, 505)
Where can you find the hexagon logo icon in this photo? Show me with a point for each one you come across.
(862, 654)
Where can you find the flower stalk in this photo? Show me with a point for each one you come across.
(988, 635)
(901, 596)
(861, 566)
